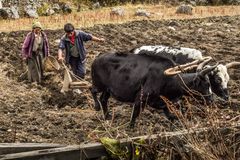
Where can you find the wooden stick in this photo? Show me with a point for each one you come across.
(96, 150)
(79, 87)
(78, 83)
(9, 148)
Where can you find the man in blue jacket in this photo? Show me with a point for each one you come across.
(73, 44)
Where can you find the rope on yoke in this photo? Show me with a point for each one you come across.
(191, 91)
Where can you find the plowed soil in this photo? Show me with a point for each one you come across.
(40, 113)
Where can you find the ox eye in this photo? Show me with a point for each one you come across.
(218, 80)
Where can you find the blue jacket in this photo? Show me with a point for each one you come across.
(80, 38)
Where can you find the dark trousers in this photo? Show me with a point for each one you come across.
(77, 66)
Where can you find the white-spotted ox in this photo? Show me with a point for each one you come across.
(218, 78)
(140, 79)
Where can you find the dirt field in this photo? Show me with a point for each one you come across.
(40, 113)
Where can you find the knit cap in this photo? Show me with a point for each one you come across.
(36, 25)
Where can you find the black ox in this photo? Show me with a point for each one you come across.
(140, 79)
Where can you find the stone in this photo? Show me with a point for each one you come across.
(184, 9)
(14, 10)
(173, 23)
(56, 8)
(31, 11)
(96, 5)
(9, 12)
(171, 28)
(66, 8)
(142, 12)
(193, 3)
(202, 2)
(117, 12)
(50, 11)
(1, 6)
(4, 13)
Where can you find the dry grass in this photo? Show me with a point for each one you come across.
(215, 136)
(102, 16)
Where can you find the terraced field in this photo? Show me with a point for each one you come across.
(40, 113)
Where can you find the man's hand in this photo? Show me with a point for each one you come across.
(24, 59)
(60, 55)
(60, 58)
(101, 40)
(94, 38)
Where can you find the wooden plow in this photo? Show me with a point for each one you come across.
(68, 82)
(51, 63)
(23, 151)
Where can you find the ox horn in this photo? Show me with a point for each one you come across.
(206, 60)
(178, 69)
(208, 69)
(232, 64)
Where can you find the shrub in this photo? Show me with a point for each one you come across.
(42, 11)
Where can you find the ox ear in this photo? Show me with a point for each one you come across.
(207, 70)
(197, 80)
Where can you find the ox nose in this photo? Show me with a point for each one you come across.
(226, 94)
(226, 97)
(209, 99)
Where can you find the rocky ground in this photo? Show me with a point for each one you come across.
(40, 113)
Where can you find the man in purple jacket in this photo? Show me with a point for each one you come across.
(34, 49)
(73, 44)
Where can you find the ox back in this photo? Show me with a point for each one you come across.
(180, 55)
(140, 79)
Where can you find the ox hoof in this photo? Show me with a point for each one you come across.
(172, 117)
(97, 107)
(131, 125)
(107, 116)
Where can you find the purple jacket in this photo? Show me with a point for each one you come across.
(28, 45)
